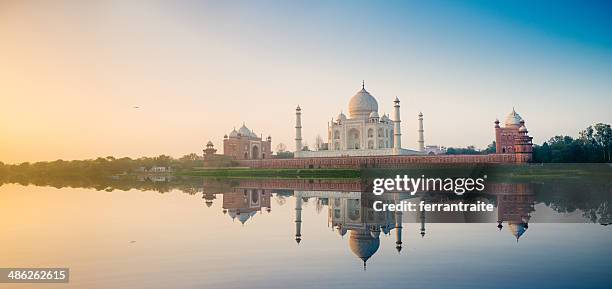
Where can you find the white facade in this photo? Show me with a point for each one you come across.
(363, 133)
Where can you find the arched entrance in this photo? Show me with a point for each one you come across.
(354, 139)
(255, 152)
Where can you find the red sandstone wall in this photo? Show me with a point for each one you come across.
(380, 161)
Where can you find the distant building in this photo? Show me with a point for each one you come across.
(158, 169)
(210, 150)
(513, 137)
(244, 144)
(434, 150)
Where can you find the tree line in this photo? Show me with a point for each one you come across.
(99, 166)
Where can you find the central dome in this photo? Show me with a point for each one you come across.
(362, 244)
(362, 104)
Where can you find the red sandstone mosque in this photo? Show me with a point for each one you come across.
(244, 144)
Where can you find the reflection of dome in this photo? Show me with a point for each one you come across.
(232, 214)
(208, 203)
(362, 104)
(243, 217)
(518, 229)
(513, 119)
(363, 245)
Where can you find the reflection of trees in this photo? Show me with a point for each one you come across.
(592, 199)
(109, 183)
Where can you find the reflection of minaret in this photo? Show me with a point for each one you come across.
(421, 135)
(422, 223)
(298, 219)
(398, 231)
(397, 133)
(298, 129)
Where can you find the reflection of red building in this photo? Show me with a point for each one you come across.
(513, 138)
(242, 204)
(515, 202)
(244, 144)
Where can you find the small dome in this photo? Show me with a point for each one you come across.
(513, 119)
(245, 131)
(234, 133)
(209, 143)
(341, 116)
(232, 214)
(362, 104)
(374, 114)
(523, 129)
(385, 118)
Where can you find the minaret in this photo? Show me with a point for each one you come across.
(397, 134)
(398, 231)
(421, 135)
(298, 218)
(298, 129)
(422, 223)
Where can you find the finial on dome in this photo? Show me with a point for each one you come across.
(363, 84)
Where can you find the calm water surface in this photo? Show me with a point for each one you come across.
(244, 235)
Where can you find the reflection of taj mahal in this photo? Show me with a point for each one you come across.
(363, 133)
(349, 214)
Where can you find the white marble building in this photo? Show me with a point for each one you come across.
(363, 133)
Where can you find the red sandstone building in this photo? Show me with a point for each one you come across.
(244, 144)
(513, 138)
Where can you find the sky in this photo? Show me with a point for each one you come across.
(71, 72)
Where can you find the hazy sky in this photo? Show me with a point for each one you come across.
(71, 71)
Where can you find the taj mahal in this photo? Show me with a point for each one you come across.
(363, 133)
(367, 139)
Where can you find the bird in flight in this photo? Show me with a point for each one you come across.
(135, 106)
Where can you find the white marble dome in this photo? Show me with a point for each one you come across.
(362, 104)
(513, 119)
(362, 244)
